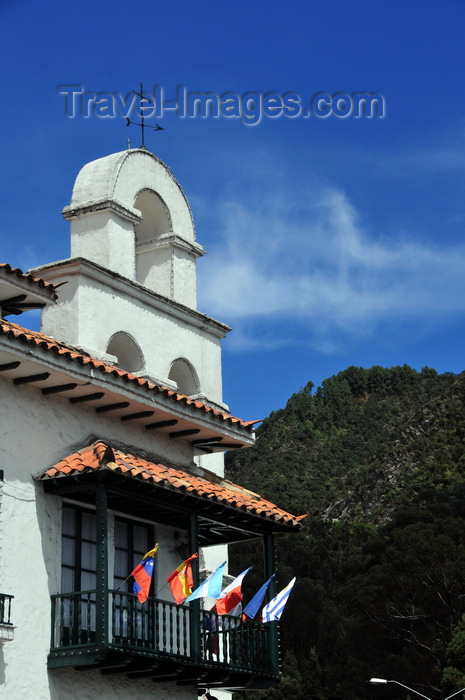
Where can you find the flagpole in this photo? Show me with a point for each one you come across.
(164, 586)
(123, 582)
(269, 556)
(127, 579)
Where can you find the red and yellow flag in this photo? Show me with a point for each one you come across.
(181, 580)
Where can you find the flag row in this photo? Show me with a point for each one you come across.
(228, 601)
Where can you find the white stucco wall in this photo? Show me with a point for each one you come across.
(106, 239)
(36, 432)
(94, 686)
(92, 307)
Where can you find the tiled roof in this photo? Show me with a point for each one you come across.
(6, 269)
(100, 456)
(73, 355)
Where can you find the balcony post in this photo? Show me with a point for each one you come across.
(101, 618)
(269, 553)
(194, 612)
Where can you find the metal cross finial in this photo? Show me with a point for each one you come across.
(157, 127)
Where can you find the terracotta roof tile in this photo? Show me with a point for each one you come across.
(101, 455)
(48, 344)
(27, 276)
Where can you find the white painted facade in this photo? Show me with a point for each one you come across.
(129, 297)
(30, 526)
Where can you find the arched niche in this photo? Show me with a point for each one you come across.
(129, 215)
(115, 181)
(156, 219)
(185, 377)
(126, 350)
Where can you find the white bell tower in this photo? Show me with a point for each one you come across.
(128, 292)
(129, 214)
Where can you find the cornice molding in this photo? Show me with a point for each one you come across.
(100, 205)
(127, 287)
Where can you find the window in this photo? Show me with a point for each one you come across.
(132, 541)
(79, 549)
(130, 619)
(78, 572)
(78, 575)
(79, 578)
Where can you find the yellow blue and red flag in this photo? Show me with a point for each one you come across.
(143, 575)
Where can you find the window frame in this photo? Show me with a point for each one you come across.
(133, 555)
(77, 566)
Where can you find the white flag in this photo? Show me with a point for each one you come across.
(274, 609)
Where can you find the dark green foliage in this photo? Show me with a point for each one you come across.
(377, 458)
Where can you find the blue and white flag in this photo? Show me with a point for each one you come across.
(211, 587)
(253, 606)
(274, 609)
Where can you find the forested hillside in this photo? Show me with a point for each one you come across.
(376, 457)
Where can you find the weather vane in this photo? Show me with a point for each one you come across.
(157, 127)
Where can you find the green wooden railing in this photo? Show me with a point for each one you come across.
(162, 628)
(5, 609)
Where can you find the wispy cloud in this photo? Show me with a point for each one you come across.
(299, 261)
(441, 155)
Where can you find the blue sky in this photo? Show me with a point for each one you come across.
(331, 241)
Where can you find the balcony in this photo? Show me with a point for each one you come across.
(161, 640)
(6, 626)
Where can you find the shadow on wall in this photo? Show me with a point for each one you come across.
(91, 684)
(2, 666)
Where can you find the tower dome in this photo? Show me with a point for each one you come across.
(129, 214)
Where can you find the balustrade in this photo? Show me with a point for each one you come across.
(161, 628)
